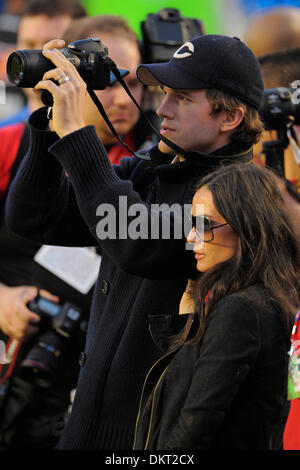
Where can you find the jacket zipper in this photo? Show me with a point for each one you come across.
(152, 407)
(142, 394)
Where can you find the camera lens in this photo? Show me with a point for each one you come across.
(15, 68)
(26, 68)
(43, 360)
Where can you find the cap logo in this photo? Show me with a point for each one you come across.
(181, 53)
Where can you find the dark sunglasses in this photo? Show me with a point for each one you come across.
(202, 222)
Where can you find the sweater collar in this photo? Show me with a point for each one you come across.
(198, 164)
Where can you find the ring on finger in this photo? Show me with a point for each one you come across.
(63, 80)
(60, 76)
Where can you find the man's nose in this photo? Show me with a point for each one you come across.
(120, 96)
(165, 110)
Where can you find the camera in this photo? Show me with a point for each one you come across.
(25, 68)
(59, 324)
(279, 112)
(165, 31)
(281, 106)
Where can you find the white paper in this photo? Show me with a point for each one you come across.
(78, 267)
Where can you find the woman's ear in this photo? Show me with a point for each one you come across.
(232, 119)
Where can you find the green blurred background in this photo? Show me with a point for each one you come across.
(209, 11)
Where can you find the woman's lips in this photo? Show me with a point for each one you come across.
(199, 255)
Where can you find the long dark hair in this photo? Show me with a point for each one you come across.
(267, 249)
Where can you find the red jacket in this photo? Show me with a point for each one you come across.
(291, 437)
(10, 137)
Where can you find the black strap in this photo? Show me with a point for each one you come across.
(173, 146)
(113, 130)
(112, 66)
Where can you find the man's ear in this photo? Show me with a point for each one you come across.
(232, 119)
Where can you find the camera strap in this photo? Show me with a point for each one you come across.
(113, 130)
(112, 66)
(294, 144)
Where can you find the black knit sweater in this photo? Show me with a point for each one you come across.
(139, 280)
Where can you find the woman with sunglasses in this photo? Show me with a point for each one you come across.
(223, 383)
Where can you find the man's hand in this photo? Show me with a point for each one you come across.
(69, 96)
(16, 320)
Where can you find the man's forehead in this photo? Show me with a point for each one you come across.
(36, 22)
(36, 30)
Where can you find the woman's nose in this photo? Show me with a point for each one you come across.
(195, 239)
(191, 238)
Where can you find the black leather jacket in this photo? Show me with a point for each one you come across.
(229, 391)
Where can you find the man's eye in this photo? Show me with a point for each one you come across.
(182, 98)
(133, 83)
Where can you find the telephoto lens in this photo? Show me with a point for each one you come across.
(26, 68)
(43, 360)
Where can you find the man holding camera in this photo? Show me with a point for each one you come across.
(280, 70)
(213, 89)
(30, 413)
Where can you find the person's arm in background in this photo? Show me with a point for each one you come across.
(16, 320)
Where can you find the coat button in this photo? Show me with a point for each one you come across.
(82, 359)
(105, 287)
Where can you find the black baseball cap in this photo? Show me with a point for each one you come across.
(210, 61)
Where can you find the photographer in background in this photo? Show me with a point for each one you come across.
(40, 21)
(122, 43)
(28, 413)
(281, 69)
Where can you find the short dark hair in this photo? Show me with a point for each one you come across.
(251, 128)
(53, 8)
(85, 27)
(281, 68)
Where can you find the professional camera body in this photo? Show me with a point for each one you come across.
(59, 324)
(25, 68)
(279, 112)
(165, 31)
(281, 106)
